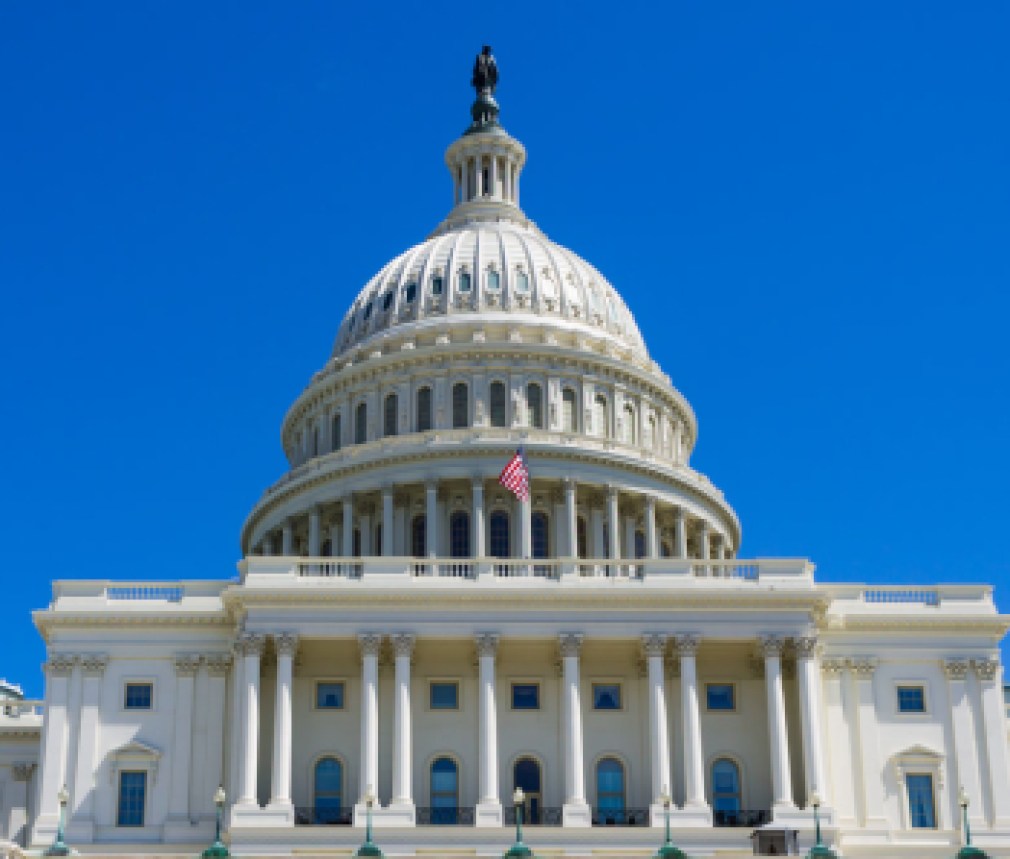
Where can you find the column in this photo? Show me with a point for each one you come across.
(680, 527)
(872, 776)
(369, 644)
(287, 539)
(210, 764)
(525, 506)
(576, 811)
(840, 720)
(92, 668)
(965, 740)
(54, 745)
(348, 527)
(703, 548)
(654, 648)
(181, 759)
(236, 725)
(651, 545)
(782, 789)
(493, 175)
(388, 527)
(286, 645)
(251, 648)
(314, 533)
(990, 676)
(678, 442)
(431, 519)
(694, 767)
(477, 517)
(571, 525)
(613, 524)
(489, 812)
(403, 779)
(336, 546)
(810, 716)
(73, 732)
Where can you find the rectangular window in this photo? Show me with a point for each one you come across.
(525, 696)
(132, 798)
(329, 696)
(443, 696)
(720, 696)
(138, 696)
(606, 696)
(921, 807)
(911, 699)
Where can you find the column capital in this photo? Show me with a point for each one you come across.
(93, 664)
(687, 644)
(570, 643)
(250, 644)
(806, 646)
(22, 771)
(650, 502)
(403, 643)
(834, 665)
(864, 667)
(186, 664)
(679, 514)
(487, 643)
(568, 483)
(654, 644)
(772, 645)
(286, 643)
(60, 664)
(217, 663)
(985, 668)
(369, 642)
(477, 483)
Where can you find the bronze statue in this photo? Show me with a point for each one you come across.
(485, 71)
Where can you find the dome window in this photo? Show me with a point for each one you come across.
(387, 300)
(410, 292)
(436, 285)
(493, 280)
(464, 281)
(498, 405)
(368, 310)
(522, 281)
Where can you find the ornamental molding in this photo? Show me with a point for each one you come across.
(23, 771)
(486, 644)
(137, 754)
(986, 669)
(864, 667)
(93, 664)
(956, 669)
(286, 644)
(60, 664)
(187, 664)
(217, 664)
(687, 644)
(834, 665)
(654, 644)
(570, 644)
(370, 643)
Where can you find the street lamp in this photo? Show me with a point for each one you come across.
(59, 846)
(967, 851)
(518, 849)
(819, 851)
(668, 851)
(369, 848)
(218, 848)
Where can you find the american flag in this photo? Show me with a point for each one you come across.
(515, 477)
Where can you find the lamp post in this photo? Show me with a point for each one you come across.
(369, 848)
(668, 850)
(518, 849)
(967, 851)
(819, 851)
(59, 846)
(217, 848)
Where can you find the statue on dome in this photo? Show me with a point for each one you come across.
(485, 71)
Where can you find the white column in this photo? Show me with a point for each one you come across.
(651, 544)
(477, 517)
(54, 745)
(571, 525)
(287, 539)
(403, 779)
(348, 527)
(369, 644)
(965, 741)
(872, 778)
(613, 524)
(990, 677)
(678, 442)
(782, 788)
(314, 533)
(211, 767)
(286, 645)
(703, 545)
(252, 648)
(493, 175)
(680, 526)
(431, 518)
(525, 527)
(489, 812)
(576, 811)
(840, 719)
(387, 521)
(236, 724)
(654, 647)
(186, 666)
(810, 716)
(694, 767)
(92, 669)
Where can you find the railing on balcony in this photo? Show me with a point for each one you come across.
(324, 568)
(726, 570)
(620, 817)
(445, 816)
(742, 818)
(534, 816)
(512, 568)
(593, 569)
(134, 593)
(322, 816)
(900, 595)
(16, 708)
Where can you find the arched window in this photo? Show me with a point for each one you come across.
(337, 438)
(418, 537)
(498, 532)
(328, 791)
(315, 441)
(649, 441)
(582, 537)
(459, 534)
(639, 544)
(569, 412)
(499, 405)
(424, 410)
(460, 405)
(361, 424)
(628, 430)
(444, 791)
(725, 790)
(389, 415)
(534, 406)
(377, 549)
(526, 774)
(601, 420)
(610, 791)
(541, 534)
(356, 543)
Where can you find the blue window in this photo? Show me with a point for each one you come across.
(541, 535)
(493, 281)
(525, 696)
(387, 300)
(522, 282)
(444, 791)
(720, 696)
(410, 292)
(436, 285)
(444, 696)
(138, 696)
(418, 536)
(132, 798)
(499, 534)
(329, 696)
(610, 790)
(606, 696)
(368, 310)
(329, 784)
(911, 699)
(459, 534)
(921, 805)
(725, 790)
(464, 281)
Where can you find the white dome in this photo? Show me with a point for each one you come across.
(491, 269)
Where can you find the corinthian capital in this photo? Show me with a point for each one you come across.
(985, 668)
(187, 664)
(955, 669)
(688, 644)
(250, 644)
(654, 644)
(93, 664)
(286, 643)
(370, 643)
(486, 643)
(217, 664)
(772, 645)
(864, 666)
(806, 646)
(60, 664)
(570, 643)
(403, 644)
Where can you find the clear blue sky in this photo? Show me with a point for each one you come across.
(804, 204)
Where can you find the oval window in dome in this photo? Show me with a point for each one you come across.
(436, 285)
(493, 281)
(410, 292)
(522, 281)
(368, 310)
(464, 281)
(387, 300)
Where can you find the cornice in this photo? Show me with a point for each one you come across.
(995, 625)
(47, 620)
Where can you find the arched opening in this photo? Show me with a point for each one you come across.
(569, 412)
(639, 544)
(610, 791)
(460, 405)
(444, 791)
(328, 791)
(526, 775)
(361, 424)
(424, 410)
(459, 534)
(582, 537)
(540, 525)
(389, 415)
(499, 540)
(498, 404)
(534, 406)
(337, 437)
(418, 537)
(726, 799)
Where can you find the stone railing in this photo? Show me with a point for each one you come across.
(883, 599)
(19, 708)
(155, 596)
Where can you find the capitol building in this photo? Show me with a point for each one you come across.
(405, 628)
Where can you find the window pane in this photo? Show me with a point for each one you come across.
(493, 281)
(459, 535)
(389, 427)
(424, 410)
(498, 405)
(464, 282)
(361, 424)
(138, 696)
(436, 285)
(410, 292)
(525, 696)
(911, 699)
(499, 535)
(522, 282)
(534, 406)
(336, 440)
(920, 801)
(444, 696)
(721, 696)
(460, 405)
(418, 536)
(568, 410)
(541, 535)
(132, 798)
(330, 696)
(606, 696)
